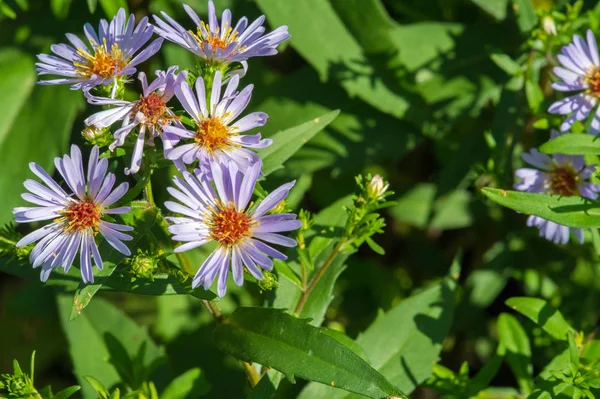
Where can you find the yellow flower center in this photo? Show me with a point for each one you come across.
(229, 226)
(213, 135)
(104, 62)
(82, 215)
(215, 40)
(593, 81)
(564, 180)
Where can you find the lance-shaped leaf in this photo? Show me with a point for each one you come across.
(287, 142)
(572, 144)
(404, 343)
(515, 343)
(275, 339)
(543, 314)
(568, 211)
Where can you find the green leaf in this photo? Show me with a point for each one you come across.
(60, 8)
(368, 21)
(486, 374)
(267, 386)
(287, 142)
(404, 343)
(283, 269)
(568, 211)
(506, 63)
(67, 392)
(572, 144)
(321, 38)
(496, 8)
(275, 339)
(543, 314)
(98, 387)
(111, 7)
(88, 346)
(526, 15)
(515, 342)
(190, 384)
(535, 95)
(92, 4)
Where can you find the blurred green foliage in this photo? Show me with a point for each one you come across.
(439, 97)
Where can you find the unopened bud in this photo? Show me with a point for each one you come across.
(377, 188)
(20, 386)
(549, 25)
(97, 136)
(143, 266)
(279, 208)
(268, 282)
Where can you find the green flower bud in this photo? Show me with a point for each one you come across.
(143, 265)
(268, 282)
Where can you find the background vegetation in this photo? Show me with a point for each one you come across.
(439, 97)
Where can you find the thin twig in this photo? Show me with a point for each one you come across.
(318, 276)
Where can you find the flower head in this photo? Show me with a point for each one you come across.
(111, 54)
(77, 216)
(150, 113)
(377, 187)
(579, 71)
(222, 43)
(225, 215)
(565, 175)
(216, 136)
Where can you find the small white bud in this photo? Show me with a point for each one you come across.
(549, 25)
(377, 187)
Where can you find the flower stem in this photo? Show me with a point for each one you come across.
(319, 274)
(148, 192)
(8, 241)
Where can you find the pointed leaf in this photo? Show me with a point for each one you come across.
(572, 144)
(275, 339)
(543, 314)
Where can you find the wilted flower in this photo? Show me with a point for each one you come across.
(565, 175)
(225, 216)
(76, 216)
(217, 134)
(222, 43)
(111, 55)
(580, 71)
(377, 187)
(150, 113)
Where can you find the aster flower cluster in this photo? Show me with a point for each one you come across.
(567, 175)
(206, 141)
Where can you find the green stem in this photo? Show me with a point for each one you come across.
(148, 191)
(8, 241)
(319, 274)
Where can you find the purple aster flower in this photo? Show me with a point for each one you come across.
(580, 71)
(217, 132)
(150, 113)
(225, 216)
(565, 175)
(76, 214)
(222, 43)
(112, 53)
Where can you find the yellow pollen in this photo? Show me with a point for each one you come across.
(216, 40)
(82, 215)
(593, 81)
(154, 109)
(213, 135)
(564, 180)
(104, 62)
(228, 226)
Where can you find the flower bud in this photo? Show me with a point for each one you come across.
(377, 188)
(549, 25)
(143, 266)
(268, 282)
(97, 136)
